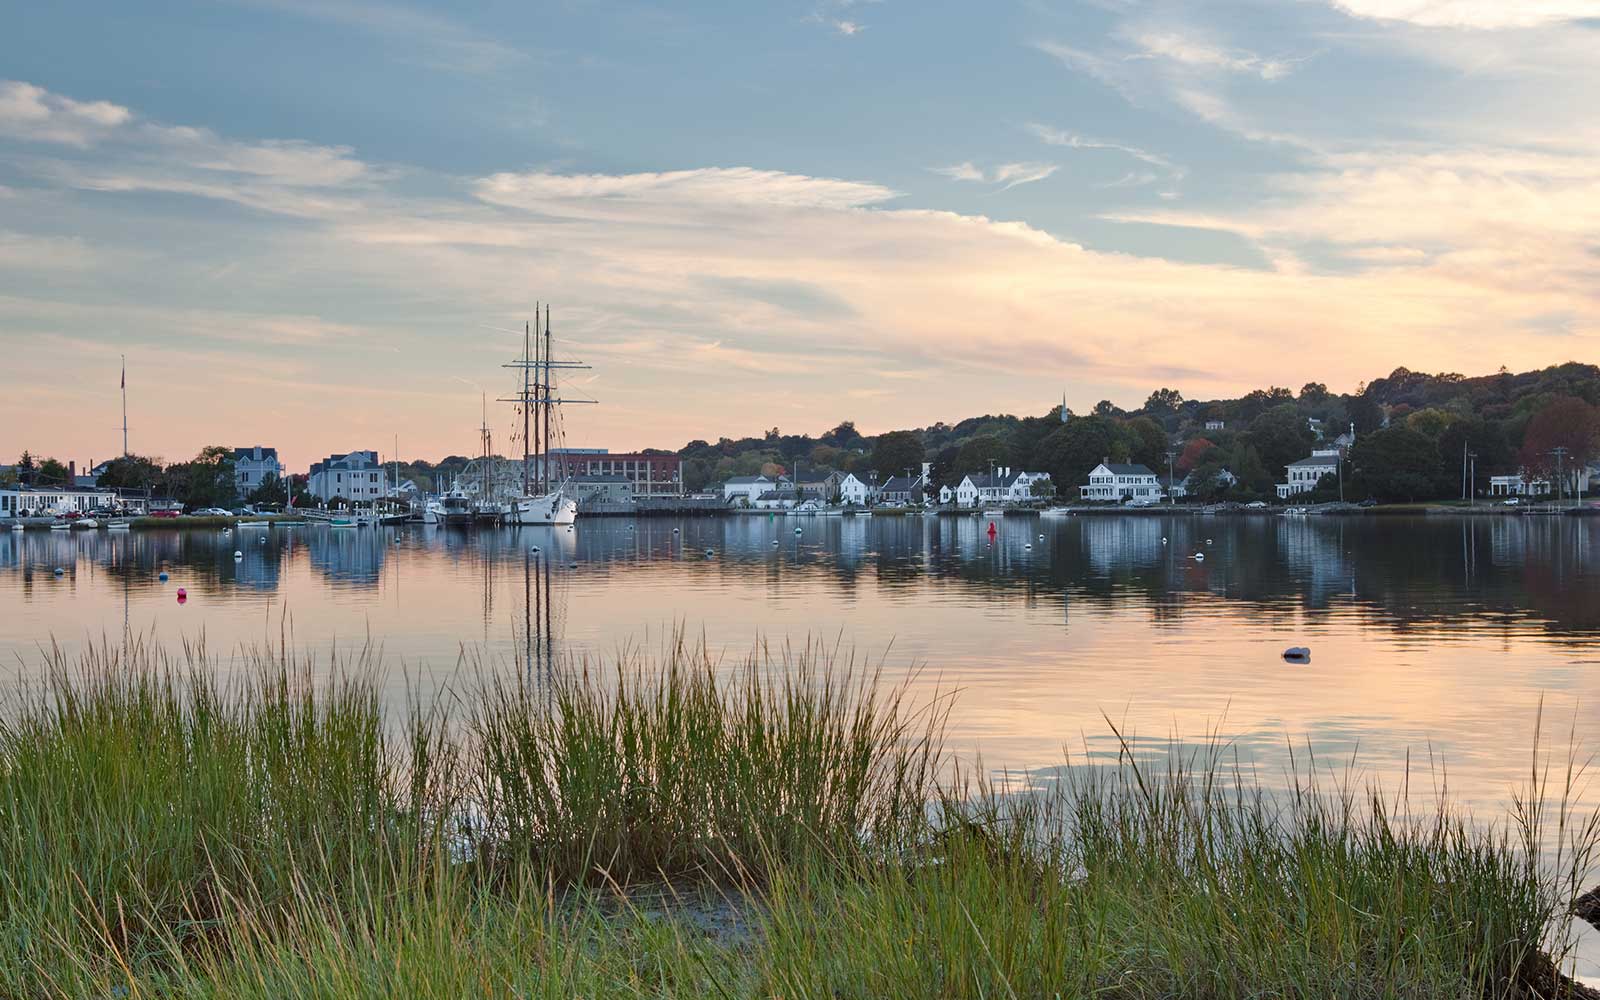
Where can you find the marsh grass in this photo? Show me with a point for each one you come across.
(673, 825)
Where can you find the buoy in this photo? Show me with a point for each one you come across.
(1041, 538)
(797, 531)
(60, 571)
(1297, 654)
(237, 554)
(1199, 557)
(534, 549)
(1028, 545)
(573, 566)
(162, 576)
(1208, 541)
(674, 531)
(1163, 539)
(774, 541)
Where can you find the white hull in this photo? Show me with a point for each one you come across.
(552, 508)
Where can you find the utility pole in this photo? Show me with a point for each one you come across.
(1560, 452)
(124, 406)
(1472, 479)
(1172, 496)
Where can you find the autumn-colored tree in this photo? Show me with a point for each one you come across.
(1566, 423)
(1193, 454)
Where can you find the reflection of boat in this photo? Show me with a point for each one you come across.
(253, 525)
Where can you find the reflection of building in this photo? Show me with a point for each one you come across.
(354, 476)
(252, 465)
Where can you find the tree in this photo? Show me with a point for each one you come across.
(1106, 408)
(976, 453)
(843, 435)
(25, 469)
(1194, 453)
(270, 491)
(1313, 393)
(131, 472)
(897, 451)
(1163, 401)
(52, 473)
(1398, 463)
(1146, 442)
(1072, 451)
(1431, 421)
(1279, 436)
(1567, 423)
(205, 481)
(1247, 467)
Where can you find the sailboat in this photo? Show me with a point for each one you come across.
(540, 503)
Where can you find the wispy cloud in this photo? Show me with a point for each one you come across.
(1071, 140)
(445, 43)
(32, 113)
(1488, 14)
(707, 186)
(1190, 51)
(1005, 176)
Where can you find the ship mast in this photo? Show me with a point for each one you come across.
(538, 399)
(526, 344)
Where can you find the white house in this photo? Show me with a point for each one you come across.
(16, 501)
(1005, 485)
(1187, 484)
(1519, 485)
(1216, 425)
(1119, 481)
(356, 476)
(745, 489)
(856, 491)
(1029, 485)
(1305, 473)
(253, 464)
(779, 499)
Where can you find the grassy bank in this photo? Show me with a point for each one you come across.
(676, 827)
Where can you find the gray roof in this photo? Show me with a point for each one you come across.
(780, 495)
(901, 484)
(250, 453)
(1314, 460)
(1120, 469)
(747, 480)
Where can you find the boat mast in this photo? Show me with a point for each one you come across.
(527, 344)
(547, 390)
(124, 406)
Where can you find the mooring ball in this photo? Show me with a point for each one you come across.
(1297, 654)
(237, 554)
(162, 576)
(60, 571)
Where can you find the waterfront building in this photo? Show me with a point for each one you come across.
(902, 489)
(1304, 474)
(253, 464)
(652, 474)
(745, 489)
(823, 486)
(778, 499)
(1121, 481)
(614, 488)
(356, 475)
(860, 492)
(39, 501)
(1004, 485)
(1520, 484)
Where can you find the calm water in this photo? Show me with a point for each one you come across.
(1438, 634)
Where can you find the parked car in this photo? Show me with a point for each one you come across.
(212, 512)
(1368, 502)
(1514, 501)
(165, 513)
(1256, 505)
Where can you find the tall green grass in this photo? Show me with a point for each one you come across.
(172, 825)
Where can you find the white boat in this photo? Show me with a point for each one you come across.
(17, 526)
(539, 504)
(430, 512)
(253, 525)
(84, 523)
(551, 508)
(1056, 512)
(118, 524)
(454, 508)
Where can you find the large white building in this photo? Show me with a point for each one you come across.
(17, 501)
(1005, 485)
(1120, 481)
(253, 464)
(746, 489)
(853, 490)
(357, 476)
(1306, 473)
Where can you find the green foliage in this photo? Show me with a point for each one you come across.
(52, 473)
(1398, 464)
(976, 454)
(167, 834)
(1163, 401)
(1279, 436)
(1145, 442)
(132, 472)
(897, 451)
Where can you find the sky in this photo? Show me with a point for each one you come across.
(321, 224)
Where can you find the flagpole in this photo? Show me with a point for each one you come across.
(124, 406)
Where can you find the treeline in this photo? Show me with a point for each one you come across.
(1411, 431)
(207, 480)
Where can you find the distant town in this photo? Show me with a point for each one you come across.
(1501, 439)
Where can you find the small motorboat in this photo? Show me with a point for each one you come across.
(83, 523)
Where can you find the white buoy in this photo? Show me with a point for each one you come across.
(573, 566)
(1027, 545)
(60, 571)
(1208, 541)
(1199, 557)
(237, 554)
(710, 553)
(534, 549)
(797, 531)
(1297, 654)
(1163, 539)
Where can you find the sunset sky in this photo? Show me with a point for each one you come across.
(316, 224)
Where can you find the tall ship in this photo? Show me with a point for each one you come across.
(545, 497)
